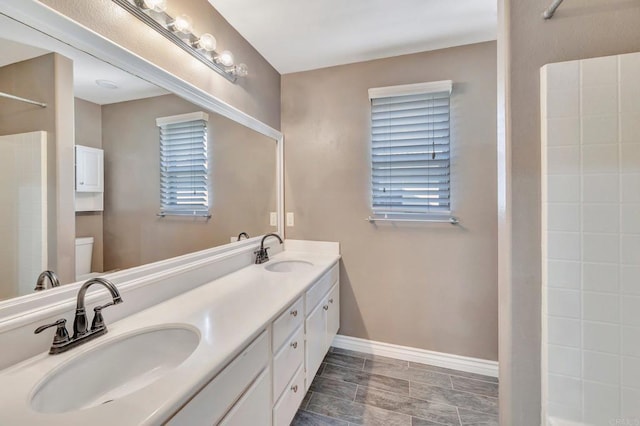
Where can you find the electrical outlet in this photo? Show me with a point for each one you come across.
(290, 221)
(273, 219)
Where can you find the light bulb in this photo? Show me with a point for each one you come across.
(206, 42)
(225, 58)
(182, 24)
(156, 5)
(241, 70)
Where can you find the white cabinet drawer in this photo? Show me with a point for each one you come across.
(286, 407)
(215, 399)
(287, 361)
(319, 289)
(254, 407)
(287, 322)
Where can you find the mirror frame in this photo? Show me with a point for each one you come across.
(52, 23)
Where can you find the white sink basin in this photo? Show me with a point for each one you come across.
(114, 369)
(288, 266)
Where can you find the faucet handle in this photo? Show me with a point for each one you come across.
(61, 336)
(98, 319)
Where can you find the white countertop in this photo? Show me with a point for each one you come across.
(228, 312)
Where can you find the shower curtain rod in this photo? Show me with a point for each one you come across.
(548, 13)
(17, 98)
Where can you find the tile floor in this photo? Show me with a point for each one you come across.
(352, 388)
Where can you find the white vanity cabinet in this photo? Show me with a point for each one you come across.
(237, 382)
(322, 321)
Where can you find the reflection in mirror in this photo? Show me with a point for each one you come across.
(117, 168)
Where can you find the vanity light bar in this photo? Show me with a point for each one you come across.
(187, 41)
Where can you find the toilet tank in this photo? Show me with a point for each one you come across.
(84, 250)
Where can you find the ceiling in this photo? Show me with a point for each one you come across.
(295, 35)
(19, 42)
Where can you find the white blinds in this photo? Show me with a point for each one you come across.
(410, 153)
(184, 168)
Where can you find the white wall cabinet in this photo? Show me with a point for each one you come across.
(89, 179)
(89, 169)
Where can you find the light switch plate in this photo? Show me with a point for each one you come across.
(273, 219)
(290, 221)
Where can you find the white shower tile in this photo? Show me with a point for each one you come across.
(563, 274)
(630, 252)
(631, 341)
(599, 71)
(600, 129)
(559, 411)
(630, 157)
(600, 159)
(563, 303)
(563, 160)
(565, 361)
(564, 131)
(601, 307)
(563, 217)
(600, 100)
(565, 390)
(601, 403)
(631, 310)
(563, 245)
(630, 406)
(630, 187)
(601, 218)
(630, 279)
(631, 372)
(563, 75)
(630, 128)
(563, 103)
(563, 188)
(600, 188)
(603, 277)
(601, 367)
(630, 218)
(600, 248)
(601, 337)
(629, 83)
(565, 332)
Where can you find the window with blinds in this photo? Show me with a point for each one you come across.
(184, 165)
(410, 155)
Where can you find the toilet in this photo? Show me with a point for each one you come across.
(84, 251)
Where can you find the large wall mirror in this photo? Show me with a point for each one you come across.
(112, 114)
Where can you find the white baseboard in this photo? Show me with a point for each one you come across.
(405, 353)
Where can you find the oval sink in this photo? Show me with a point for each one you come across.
(114, 370)
(288, 266)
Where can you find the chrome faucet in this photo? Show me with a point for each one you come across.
(262, 255)
(51, 276)
(243, 234)
(62, 342)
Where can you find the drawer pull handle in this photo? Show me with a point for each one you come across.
(294, 388)
(330, 300)
(325, 307)
(294, 345)
(294, 312)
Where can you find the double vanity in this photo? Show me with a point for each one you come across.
(239, 350)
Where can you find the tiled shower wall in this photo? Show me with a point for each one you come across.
(591, 240)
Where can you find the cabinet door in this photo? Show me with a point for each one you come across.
(315, 345)
(89, 169)
(333, 314)
(254, 408)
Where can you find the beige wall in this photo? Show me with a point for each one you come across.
(48, 79)
(243, 173)
(430, 286)
(581, 29)
(257, 95)
(88, 127)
